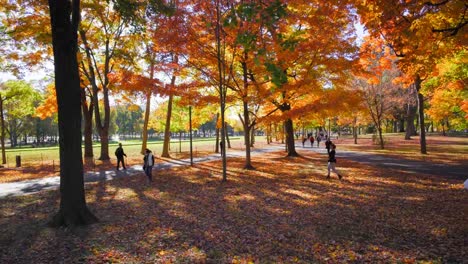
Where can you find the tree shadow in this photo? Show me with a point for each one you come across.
(281, 212)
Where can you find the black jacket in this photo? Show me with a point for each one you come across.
(331, 156)
(119, 153)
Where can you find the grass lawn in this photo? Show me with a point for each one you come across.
(440, 149)
(285, 211)
(46, 155)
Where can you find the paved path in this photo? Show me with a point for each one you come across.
(448, 171)
(32, 186)
(414, 166)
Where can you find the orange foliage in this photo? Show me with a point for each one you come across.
(49, 106)
(131, 82)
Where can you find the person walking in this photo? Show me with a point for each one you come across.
(332, 162)
(119, 153)
(311, 141)
(319, 138)
(148, 163)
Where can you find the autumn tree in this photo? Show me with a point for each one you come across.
(25, 31)
(166, 51)
(446, 92)
(104, 41)
(380, 97)
(139, 69)
(207, 37)
(419, 32)
(377, 82)
(310, 48)
(244, 23)
(64, 21)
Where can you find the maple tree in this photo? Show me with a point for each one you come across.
(243, 26)
(446, 92)
(418, 32)
(26, 34)
(151, 28)
(380, 93)
(165, 50)
(207, 37)
(102, 35)
(312, 47)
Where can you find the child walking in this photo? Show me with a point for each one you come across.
(332, 162)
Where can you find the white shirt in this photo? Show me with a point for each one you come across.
(149, 159)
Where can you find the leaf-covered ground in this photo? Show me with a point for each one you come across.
(285, 211)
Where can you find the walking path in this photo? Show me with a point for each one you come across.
(448, 171)
(413, 166)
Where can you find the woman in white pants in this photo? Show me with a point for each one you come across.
(332, 162)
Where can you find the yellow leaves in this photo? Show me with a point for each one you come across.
(133, 107)
(49, 106)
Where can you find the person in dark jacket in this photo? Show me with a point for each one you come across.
(332, 162)
(119, 153)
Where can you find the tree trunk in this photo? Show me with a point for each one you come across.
(422, 129)
(149, 93)
(289, 129)
(167, 129)
(102, 127)
(355, 134)
(64, 21)
(217, 140)
(228, 142)
(410, 116)
(382, 146)
(88, 125)
(401, 125)
(245, 122)
(144, 142)
(217, 132)
(252, 136)
(221, 56)
(11, 132)
(443, 128)
(104, 137)
(2, 135)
